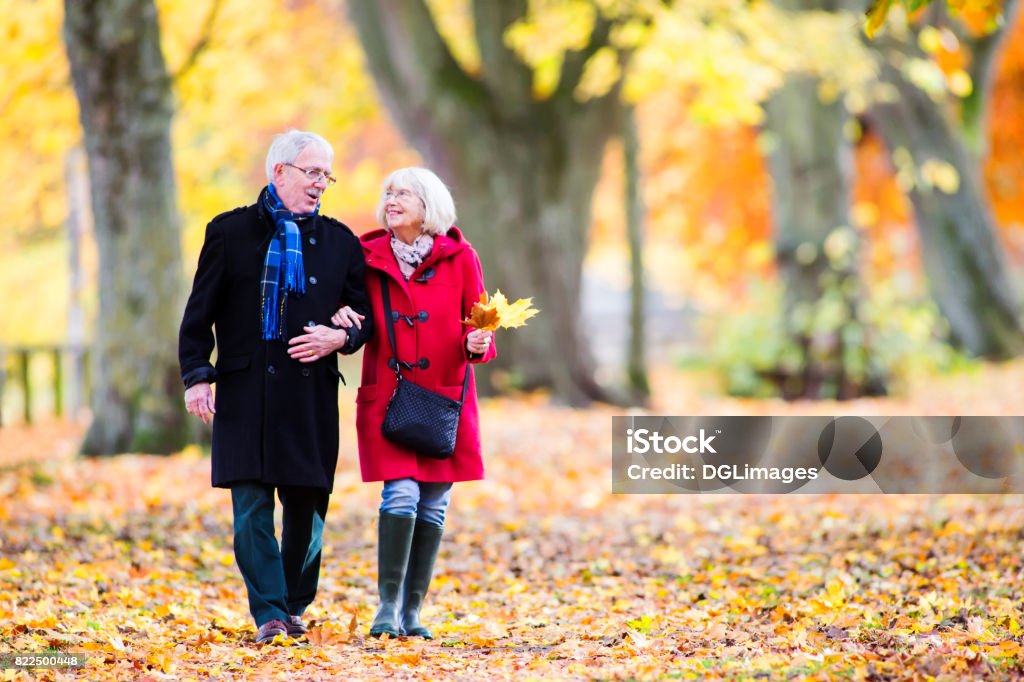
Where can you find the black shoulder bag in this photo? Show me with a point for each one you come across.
(417, 418)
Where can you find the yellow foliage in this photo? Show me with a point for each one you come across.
(876, 16)
(498, 312)
(269, 65)
(273, 64)
(600, 74)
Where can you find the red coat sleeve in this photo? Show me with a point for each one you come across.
(473, 286)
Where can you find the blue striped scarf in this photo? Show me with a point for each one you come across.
(281, 279)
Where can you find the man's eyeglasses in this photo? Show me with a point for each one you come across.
(315, 175)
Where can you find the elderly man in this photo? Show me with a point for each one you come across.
(269, 277)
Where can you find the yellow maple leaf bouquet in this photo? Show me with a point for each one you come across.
(492, 312)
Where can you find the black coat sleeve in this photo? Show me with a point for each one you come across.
(355, 296)
(195, 337)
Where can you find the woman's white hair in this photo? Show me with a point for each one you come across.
(438, 205)
(287, 146)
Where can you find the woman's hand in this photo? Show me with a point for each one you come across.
(346, 317)
(478, 341)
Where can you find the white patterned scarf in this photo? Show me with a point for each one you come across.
(410, 256)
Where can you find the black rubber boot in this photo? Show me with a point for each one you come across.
(426, 540)
(394, 538)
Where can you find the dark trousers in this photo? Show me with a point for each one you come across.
(281, 581)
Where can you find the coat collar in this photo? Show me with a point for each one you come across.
(377, 249)
(305, 226)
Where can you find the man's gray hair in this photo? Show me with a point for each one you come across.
(438, 205)
(289, 145)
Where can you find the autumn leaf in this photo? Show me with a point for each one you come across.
(642, 624)
(331, 634)
(514, 314)
(352, 625)
(876, 15)
(484, 315)
(490, 314)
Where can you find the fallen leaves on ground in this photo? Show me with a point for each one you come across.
(543, 573)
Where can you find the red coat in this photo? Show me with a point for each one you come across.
(446, 298)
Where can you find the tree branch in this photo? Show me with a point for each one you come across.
(410, 61)
(508, 79)
(575, 62)
(985, 51)
(201, 44)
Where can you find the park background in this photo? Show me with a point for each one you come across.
(720, 208)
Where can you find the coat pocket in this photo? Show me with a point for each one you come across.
(332, 367)
(452, 392)
(233, 363)
(366, 394)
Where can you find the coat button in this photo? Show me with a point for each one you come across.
(271, 369)
(305, 371)
(312, 240)
(312, 279)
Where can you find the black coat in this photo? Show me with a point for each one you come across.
(277, 418)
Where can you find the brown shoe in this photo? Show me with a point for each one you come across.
(271, 629)
(296, 628)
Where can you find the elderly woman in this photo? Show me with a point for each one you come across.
(433, 277)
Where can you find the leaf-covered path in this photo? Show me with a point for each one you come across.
(543, 573)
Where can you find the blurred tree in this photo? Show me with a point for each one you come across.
(124, 94)
(935, 146)
(636, 356)
(223, 122)
(523, 154)
(816, 249)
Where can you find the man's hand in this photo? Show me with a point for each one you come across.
(199, 401)
(318, 341)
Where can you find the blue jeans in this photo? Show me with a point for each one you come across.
(426, 502)
(280, 581)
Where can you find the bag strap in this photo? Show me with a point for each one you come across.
(388, 318)
(386, 297)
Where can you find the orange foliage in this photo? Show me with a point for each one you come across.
(709, 189)
(1004, 167)
(882, 213)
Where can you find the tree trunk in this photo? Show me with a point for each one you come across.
(811, 167)
(522, 170)
(636, 362)
(811, 164)
(77, 183)
(962, 257)
(124, 96)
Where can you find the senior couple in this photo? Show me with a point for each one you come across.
(279, 291)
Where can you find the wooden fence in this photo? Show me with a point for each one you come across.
(28, 374)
